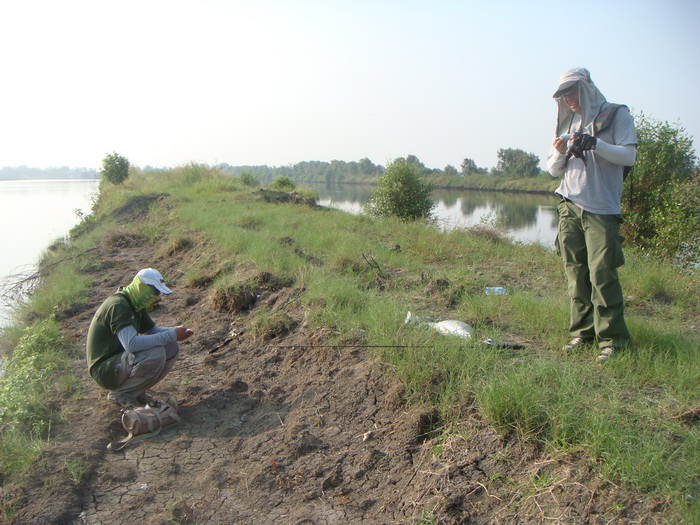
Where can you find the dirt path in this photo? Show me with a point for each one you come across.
(277, 432)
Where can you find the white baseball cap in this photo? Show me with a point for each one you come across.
(153, 277)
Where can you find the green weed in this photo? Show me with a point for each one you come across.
(77, 469)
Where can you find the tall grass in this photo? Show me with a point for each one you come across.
(35, 374)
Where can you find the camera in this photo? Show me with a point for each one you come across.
(581, 142)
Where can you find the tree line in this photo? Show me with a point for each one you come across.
(512, 163)
(63, 172)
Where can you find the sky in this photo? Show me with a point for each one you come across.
(169, 82)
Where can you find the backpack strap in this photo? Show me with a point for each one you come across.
(606, 115)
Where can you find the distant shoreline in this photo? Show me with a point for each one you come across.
(15, 179)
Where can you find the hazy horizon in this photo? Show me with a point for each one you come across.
(275, 83)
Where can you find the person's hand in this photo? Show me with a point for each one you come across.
(183, 333)
(584, 141)
(560, 145)
(581, 143)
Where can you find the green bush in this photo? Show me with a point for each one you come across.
(283, 184)
(665, 163)
(677, 221)
(249, 179)
(401, 193)
(115, 168)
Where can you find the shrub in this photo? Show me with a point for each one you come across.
(115, 168)
(677, 221)
(401, 193)
(249, 179)
(665, 159)
(283, 184)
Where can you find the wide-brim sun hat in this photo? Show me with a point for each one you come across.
(154, 278)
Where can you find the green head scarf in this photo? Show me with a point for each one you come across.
(140, 294)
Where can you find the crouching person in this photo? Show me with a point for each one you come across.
(126, 352)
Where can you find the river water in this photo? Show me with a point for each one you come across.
(527, 218)
(33, 214)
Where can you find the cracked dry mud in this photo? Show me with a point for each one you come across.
(276, 432)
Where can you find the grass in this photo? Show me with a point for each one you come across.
(34, 377)
(361, 276)
(77, 469)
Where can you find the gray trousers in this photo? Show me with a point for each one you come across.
(140, 371)
(590, 247)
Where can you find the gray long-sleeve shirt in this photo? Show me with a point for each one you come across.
(156, 336)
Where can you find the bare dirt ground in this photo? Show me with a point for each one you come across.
(279, 429)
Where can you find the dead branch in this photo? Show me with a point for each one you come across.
(372, 262)
(14, 288)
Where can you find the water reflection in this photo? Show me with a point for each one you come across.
(529, 218)
(33, 214)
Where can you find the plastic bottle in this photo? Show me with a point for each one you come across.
(497, 290)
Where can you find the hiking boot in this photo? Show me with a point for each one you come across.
(144, 399)
(605, 354)
(122, 400)
(575, 344)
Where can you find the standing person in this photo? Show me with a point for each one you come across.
(594, 141)
(126, 352)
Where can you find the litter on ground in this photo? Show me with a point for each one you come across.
(447, 327)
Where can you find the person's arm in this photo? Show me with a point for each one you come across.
(622, 155)
(133, 342)
(181, 333)
(156, 330)
(557, 158)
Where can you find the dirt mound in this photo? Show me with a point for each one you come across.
(137, 207)
(279, 427)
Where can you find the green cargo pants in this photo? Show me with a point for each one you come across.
(590, 247)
